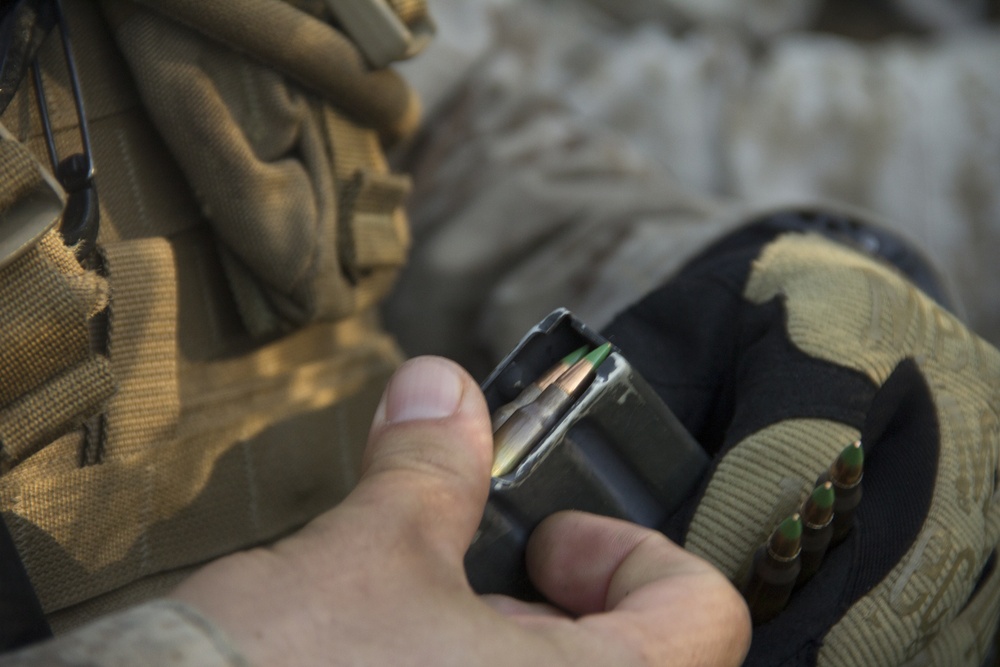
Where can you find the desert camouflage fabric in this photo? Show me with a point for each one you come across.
(576, 153)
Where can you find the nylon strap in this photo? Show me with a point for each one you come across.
(375, 234)
(373, 229)
(143, 346)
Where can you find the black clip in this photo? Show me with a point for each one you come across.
(81, 217)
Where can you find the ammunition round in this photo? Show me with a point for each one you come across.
(775, 569)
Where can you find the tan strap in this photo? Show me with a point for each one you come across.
(373, 230)
(142, 346)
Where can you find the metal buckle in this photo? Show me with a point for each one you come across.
(378, 32)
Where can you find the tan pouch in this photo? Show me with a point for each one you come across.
(308, 220)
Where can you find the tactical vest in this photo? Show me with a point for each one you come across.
(206, 383)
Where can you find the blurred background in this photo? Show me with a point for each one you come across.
(575, 152)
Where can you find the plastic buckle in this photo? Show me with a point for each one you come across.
(378, 32)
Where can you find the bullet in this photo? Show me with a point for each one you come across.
(845, 473)
(776, 567)
(817, 529)
(522, 431)
(534, 390)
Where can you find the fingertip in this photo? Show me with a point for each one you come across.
(422, 388)
(427, 392)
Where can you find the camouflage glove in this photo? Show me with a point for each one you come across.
(777, 348)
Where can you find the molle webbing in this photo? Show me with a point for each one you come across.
(142, 345)
(214, 441)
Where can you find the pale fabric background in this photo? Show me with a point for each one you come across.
(575, 152)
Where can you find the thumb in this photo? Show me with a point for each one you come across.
(427, 464)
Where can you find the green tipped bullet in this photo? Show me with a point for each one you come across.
(818, 508)
(521, 432)
(849, 466)
(534, 390)
(817, 529)
(845, 473)
(599, 354)
(785, 542)
(775, 569)
(574, 356)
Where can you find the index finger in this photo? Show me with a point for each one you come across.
(634, 586)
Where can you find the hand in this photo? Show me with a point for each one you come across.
(379, 580)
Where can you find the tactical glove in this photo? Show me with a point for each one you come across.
(776, 347)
